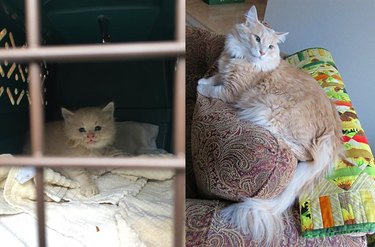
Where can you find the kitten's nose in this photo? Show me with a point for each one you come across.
(262, 53)
(90, 135)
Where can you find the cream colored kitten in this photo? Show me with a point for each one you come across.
(87, 132)
(283, 99)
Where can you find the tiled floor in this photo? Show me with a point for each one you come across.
(220, 18)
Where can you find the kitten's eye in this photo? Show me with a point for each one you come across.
(257, 38)
(81, 130)
(98, 128)
(270, 46)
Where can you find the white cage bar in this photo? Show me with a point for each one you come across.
(34, 53)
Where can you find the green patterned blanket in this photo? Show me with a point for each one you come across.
(344, 202)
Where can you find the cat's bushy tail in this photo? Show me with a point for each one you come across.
(264, 219)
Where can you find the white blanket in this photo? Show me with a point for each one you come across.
(131, 210)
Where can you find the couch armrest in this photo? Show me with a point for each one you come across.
(202, 50)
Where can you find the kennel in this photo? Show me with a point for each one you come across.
(87, 53)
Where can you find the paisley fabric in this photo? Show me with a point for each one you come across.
(344, 202)
(202, 50)
(234, 159)
(205, 227)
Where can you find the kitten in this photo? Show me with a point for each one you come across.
(283, 99)
(87, 132)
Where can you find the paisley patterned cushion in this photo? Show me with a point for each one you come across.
(233, 159)
(202, 50)
(204, 227)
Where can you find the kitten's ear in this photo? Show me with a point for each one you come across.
(251, 15)
(109, 109)
(281, 36)
(67, 115)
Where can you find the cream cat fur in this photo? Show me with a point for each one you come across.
(283, 99)
(85, 132)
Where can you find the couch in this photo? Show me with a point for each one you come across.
(267, 163)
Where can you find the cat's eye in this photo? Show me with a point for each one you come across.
(98, 128)
(257, 38)
(270, 46)
(81, 130)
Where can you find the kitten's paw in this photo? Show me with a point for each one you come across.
(89, 190)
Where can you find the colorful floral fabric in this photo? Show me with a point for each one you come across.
(345, 201)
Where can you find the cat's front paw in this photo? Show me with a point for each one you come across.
(211, 91)
(89, 190)
(204, 81)
(204, 89)
(213, 80)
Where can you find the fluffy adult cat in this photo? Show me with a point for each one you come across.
(86, 132)
(283, 99)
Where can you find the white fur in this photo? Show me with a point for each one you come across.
(258, 114)
(213, 80)
(210, 91)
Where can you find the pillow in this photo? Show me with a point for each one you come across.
(206, 227)
(202, 50)
(136, 137)
(234, 159)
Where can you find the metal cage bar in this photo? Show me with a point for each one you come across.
(176, 162)
(36, 113)
(35, 53)
(89, 52)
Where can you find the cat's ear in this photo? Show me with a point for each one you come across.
(281, 37)
(109, 109)
(251, 15)
(67, 115)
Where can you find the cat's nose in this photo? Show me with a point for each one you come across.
(262, 53)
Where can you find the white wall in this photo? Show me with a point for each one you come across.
(347, 29)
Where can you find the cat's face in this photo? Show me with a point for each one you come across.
(91, 128)
(255, 42)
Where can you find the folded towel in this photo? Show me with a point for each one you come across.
(106, 219)
(149, 215)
